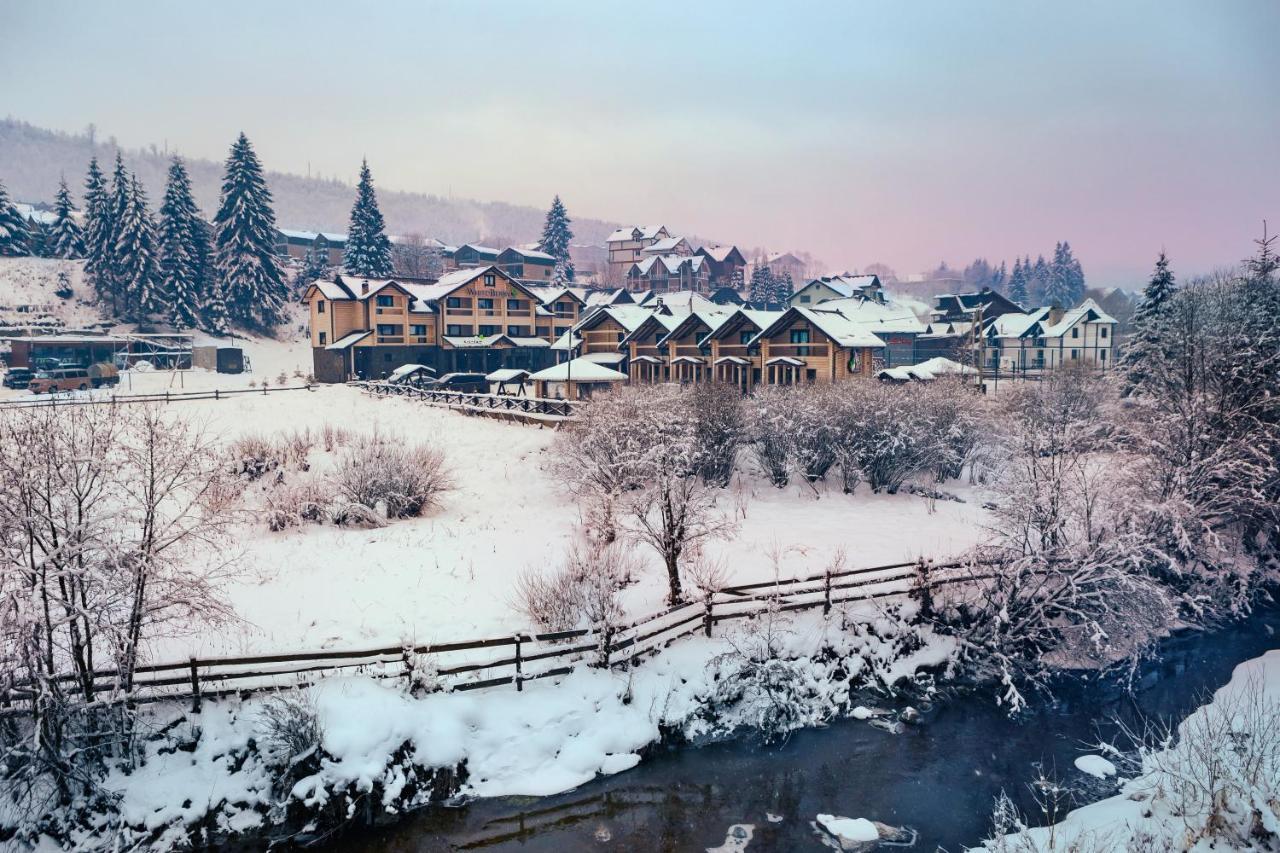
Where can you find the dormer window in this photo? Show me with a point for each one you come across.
(490, 280)
(320, 308)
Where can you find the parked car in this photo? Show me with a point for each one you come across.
(469, 383)
(60, 379)
(18, 377)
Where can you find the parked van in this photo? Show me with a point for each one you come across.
(60, 379)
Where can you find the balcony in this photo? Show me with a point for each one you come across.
(799, 350)
(390, 339)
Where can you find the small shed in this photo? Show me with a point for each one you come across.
(576, 380)
(411, 374)
(219, 359)
(511, 381)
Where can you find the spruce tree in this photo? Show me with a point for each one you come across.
(14, 235)
(1144, 342)
(98, 229)
(556, 235)
(181, 263)
(761, 290)
(368, 251)
(118, 205)
(1058, 288)
(251, 283)
(1038, 281)
(1018, 284)
(1075, 284)
(39, 239)
(135, 255)
(783, 288)
(736, 282)
(66, 240)
(314, 266)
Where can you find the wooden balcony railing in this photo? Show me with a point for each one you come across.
(799, 350)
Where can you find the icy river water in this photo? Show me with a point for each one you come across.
(938, 778)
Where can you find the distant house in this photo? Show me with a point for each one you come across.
(296, 244)
(626, 245)
(668, 273)
(894, 324)
(725, 262)
(667, 246)
(824, 289)
(727, 296)
(967, 306)
(808, 345)
(782, 263)
(1048, 338)
(470, 255)
(527, 265)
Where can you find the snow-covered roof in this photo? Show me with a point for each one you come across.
(783, 256)
(845, 285)
(682, 300)
(671, 263)
(711, 319)
(926, 371)
(564, 343)
(31, 213)
(757, 318)
(833, 324)
(508, 374)
(629, 317)
(1089, 311)
(605, 357)
(310, 236)
(476, 247)
(579, 370)
(546, 295)
(647, 232)
(529, 254)
(876, 316)
(666, 244)
(719, 253)
(407, 369)
(609, 297)
(350, 339)
(1016, 325)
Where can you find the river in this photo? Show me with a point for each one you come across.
(938, 778)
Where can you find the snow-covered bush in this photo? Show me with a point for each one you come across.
(887, 437)
(812, 428)
(300, 499)
(387, 475)
(720, 426)
(254, 456)
(295, 447)
(332, 437)
(582, 593)
(956, 422)
(288, 732)
(770, 430)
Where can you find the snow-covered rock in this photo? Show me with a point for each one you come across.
(849, 830)
(1095, 765)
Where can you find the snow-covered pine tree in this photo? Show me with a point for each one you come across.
(179, 236)
(136, 257)
(14, 236)
(252, 285)
(98, 231)
(761, 290)
(314, 266)
(1038, 281)
(368, 251)
(1075, 275)
(118, 204)
(1057, 290)
(556, 236)
(1000, 278)
(66, 240)
(783, 289)
(1018, 284)
(39, 239)
(1148, 326)
(737, 282)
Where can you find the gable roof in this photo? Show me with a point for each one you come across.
(657, 323)
(711, 320)
(646, 232)
(757, 319)
(1088, 311)
(720, 254)
(876, 316)
(626, 316)
(665, 245)
(526, 254)
(845, 285)
(833, 324)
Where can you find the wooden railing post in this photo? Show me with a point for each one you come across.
(519, 667)
(926, 589)
(707, 617)
(826, 590)
(215, 394)
(195, 688)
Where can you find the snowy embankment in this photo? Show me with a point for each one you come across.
(378, 750)
(451, 574)
(1213, 784)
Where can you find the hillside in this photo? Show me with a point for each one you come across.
(32, 159)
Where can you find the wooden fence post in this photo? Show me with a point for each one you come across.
(195, 688)
(926, 589)
(215, 393)
(826, 598)
(519, 667)
(707, 615)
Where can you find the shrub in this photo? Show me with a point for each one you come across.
(253, 456)
(295, 447)
(390, 477)
(332, 437)
(583, 592)
(769, 428)
(720, 425)
(300, 500)
(288, 729)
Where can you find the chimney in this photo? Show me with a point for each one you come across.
(1056, 313)
(364, 287)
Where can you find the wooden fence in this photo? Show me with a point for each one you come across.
(88, 398)
(473, 401)
(506, 661)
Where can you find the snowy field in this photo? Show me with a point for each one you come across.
(450, 574)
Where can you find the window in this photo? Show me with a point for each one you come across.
(387, 330)
(386, 301)
(745, 337)
(490, 280)
(1103, 332)
(1075, 332)
(518, 331)
(320, 307)
(1075, 354)
(458, 331)
(800, 336)
(484, 304)
(564, 307)
(804, 298)
(453, 302)
(486, 331)
(516, 305)
(418, 330)
(560, 330)
(1102, 355)
(322, 338)
(544, 331)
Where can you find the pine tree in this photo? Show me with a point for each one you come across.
(314, 266)
(181, 263)
(14, 236)
(39, 239)
(1058, 288)
(783, 288)
(736, 282)
(98, 229)
(135, 254)
(761, 291)
(1038, 281)
(251, 284)
(368, 251)
(118, 204)
(556, 236)
(1148, 325)
(66, 240)
(1075, 283)
(1000, 278)
(1018, 284)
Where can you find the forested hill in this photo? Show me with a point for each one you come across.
(32, 159)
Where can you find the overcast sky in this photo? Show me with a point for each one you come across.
(896, 132)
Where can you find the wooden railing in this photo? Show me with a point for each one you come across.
(511, 660)
(96, 397)
(474, 401)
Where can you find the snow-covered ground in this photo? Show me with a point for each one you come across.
(450, 574)
(1216, 787)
